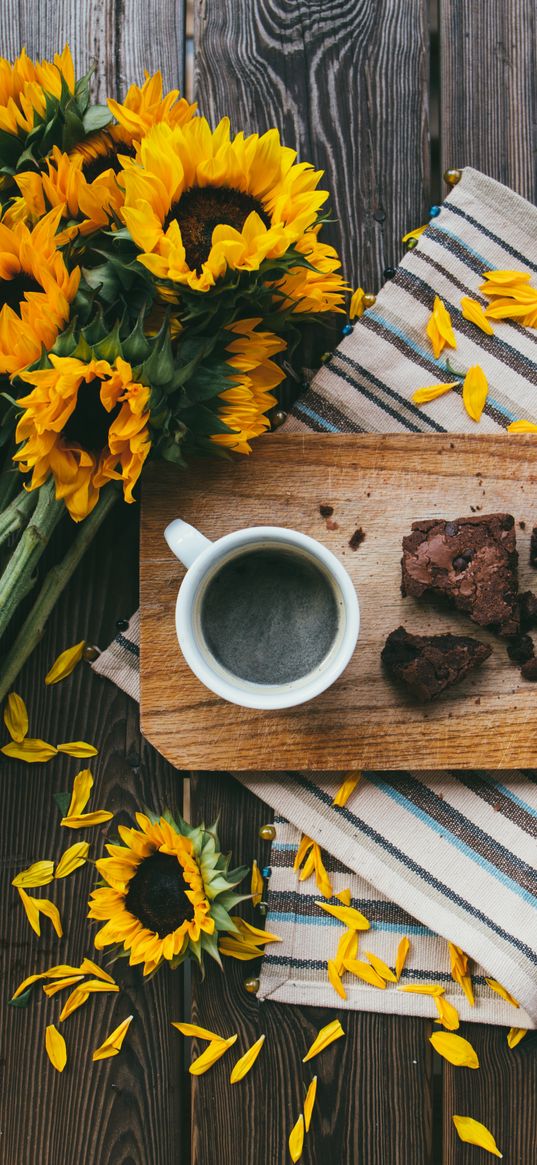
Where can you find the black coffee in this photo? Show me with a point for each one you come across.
(269, 616)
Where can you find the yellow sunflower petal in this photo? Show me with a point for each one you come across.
(346, 788)
(247, 1061)
(321, 875)
(30, 750)
(71, 859)
(253, 934)
(334, 979)
(114, 1042)
(88, 967)
(238, 950)
(474, 1133)
(347, 948)
(65, 664)
(50, 910)
(442, 319)
(423, 989)
(296, 1140)
(215, 1051)
(437, 341)
(309, 1102)
(344, 896)
(402, 954)
(474, 392)
(505, 994)
(365, 971)
(85, 820)
(515, 1035)
(381, 967)
(303, 848)
(415, 234)
(57, 972)
(522, 427)
(195, 1032)
(32, 912)
(356, 306)
(508, 277)
(455, 1049)
(430, 392)
(449, 1016)
(82, 786)
(16, 717)
(350, 917)
(473, 311)
(38, 874)
(78, 748)
(55, 1048)
(75, 1000)
(332, 1031)
(56, 985)
(256, 884)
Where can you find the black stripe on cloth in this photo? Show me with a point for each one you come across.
(128, 645)
(424, 874)
(461, 827)
(329, 412)
(489, 792)
(282, 859)
(375, 909)
(414, 975)
(489, 234)
(401, 406)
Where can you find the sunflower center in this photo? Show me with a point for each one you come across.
(92, 167)
(89, 422)
(13, 290)
(156, 894)
(201, 209)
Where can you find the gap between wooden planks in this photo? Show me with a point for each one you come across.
(383, 484)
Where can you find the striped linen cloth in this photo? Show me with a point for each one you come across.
(434, 856)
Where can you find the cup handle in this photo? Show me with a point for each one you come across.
(185, 541)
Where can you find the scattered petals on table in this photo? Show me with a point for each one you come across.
(78, 748)
(253, 934)
(114, 1042)
(193, 1031)
(247, 1061)
(474, 392)
(57, 972)
(474, 1133)
(455, 1049)
(55, 1048)
(356, 306)
(33, 751)
(81, 994)
(449, 1016)
(348, 915)
(16, 717)
(38, 874)
(332, 1031)
(296, 1139)
(75, 817)
(402, 955)
(72, 859)
(65, 663)
(88, 967)
(256, 884)
(215, 1051)
(56, 985)
(36, 906)
(415, 234)
(515, 1035)
(309, 1102)
(502, 991)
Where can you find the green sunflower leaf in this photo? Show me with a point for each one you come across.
(96, 117)
(21, 1000)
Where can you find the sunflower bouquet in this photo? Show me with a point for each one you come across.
(151, 268)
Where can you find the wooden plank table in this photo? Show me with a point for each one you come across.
(348, 83)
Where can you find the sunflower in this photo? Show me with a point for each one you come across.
(84, 423)
(37, 290)
(198, 202)
(254, 374)
(83, 183)
(145, 106)
(167, 893)
(25, 86)
(319, 287)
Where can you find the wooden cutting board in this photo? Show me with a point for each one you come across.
(383, 484)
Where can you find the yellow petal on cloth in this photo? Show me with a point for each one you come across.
(55, 1048)
(56, 985)
(113, 1043)
(415, 234)
(510, 278)
(321, 875)
(401, 957)
(304, 845)
(474, 1133)
(215, 1051)
(442, 319)
(16, 717)
(474, 392)
(195, 1032)
(423, 989)
(502, 991)
(344, 896)
(467, 986)
(356, 306)
(252, 934)
(510, 309)
(381, 967)
(65, 663)
(348, 915)
(522, 427)
(346, 788)
(78, 748)
(38, 874)
(515, 1035)
(449, 1016)
(366, 972)
(334, 978)
(31, 750)
(422, 396)
(88, 967)
(72, 859)
(455, 1049)
(309, 1102)
(437, 341)
(85, 820)
(332, 1031)
(296, 1140)
(242, 1067)
(256, 884)
(473, 311)
(347, 949)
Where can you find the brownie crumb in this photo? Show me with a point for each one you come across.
(533, 547)
(527, 604)
(529, 669)
(522, 525)
(428, 664)
(331, 525)
(520, 648)
(326, 511)
(357, 538)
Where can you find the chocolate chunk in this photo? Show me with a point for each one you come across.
(486, 588)
(527, 605)
(521, 648)
(533, 547)
(428, 664)
(529, 669)
(357, 539)
(326, 511)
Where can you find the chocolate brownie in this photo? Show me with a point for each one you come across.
(428, 664)
(533, 547)
(527, 605)
(470, 562)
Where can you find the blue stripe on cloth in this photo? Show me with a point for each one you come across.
(340, 357)
(490, 235)
(428, 878)
(452, 839)
(439, 228)
(300, 407)
(507, 792)
(327, 920)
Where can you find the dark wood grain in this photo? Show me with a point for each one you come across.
(345, 82)
(374, 1086)
(129, 1110)
(489, 89)
(501, 1093)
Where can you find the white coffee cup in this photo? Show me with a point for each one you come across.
(204, 559)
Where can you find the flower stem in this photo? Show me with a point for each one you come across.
(10, 479)
(19, 575)
(53, 586)
(16, 514)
